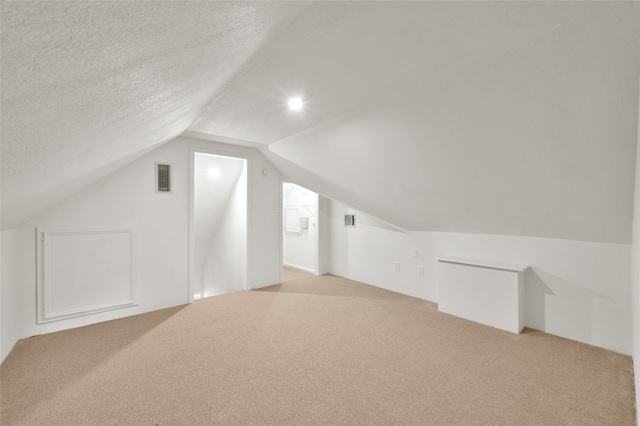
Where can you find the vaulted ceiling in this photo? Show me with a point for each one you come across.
(514, 118)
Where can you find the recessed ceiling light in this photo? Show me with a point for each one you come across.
(214, 173)
(295, 104)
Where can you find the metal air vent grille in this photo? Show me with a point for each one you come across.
(350, 220)
(163, 178)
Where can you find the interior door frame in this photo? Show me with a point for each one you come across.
(222, 153)
(320, 226)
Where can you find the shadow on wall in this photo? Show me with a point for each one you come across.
(569, 304)
(536, 292)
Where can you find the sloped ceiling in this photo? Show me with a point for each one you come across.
(488, 117)
(514, 118)
(87, 86)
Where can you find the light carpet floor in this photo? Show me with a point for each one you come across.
(313, 350)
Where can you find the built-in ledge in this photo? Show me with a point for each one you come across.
(488, 292)
(483, 263)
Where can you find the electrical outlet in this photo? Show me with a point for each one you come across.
(415, 252)
(420, 270)
(396, 266)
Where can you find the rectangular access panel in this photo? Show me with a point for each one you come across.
(82, 272)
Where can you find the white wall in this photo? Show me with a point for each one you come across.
(324, 235)
(574, 289)
(300, 251)
(225, 269)
(635, 269)
(128, 198)
(2, 353)
(11, 329)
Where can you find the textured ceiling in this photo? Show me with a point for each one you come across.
(489, 117)
(341, 56)
(504, 118)
(86, 85)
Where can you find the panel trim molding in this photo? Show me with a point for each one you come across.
(46, 279)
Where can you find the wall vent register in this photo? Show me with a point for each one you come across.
(163, 178)
(350, 220)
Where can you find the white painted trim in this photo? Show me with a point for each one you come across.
(43, 302)
(317, 242)
(249, 162)
(299, 268)
(483, 263)
(191, 255)
(281, 226)
(323, 248)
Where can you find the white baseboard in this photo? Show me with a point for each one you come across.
(299, 268)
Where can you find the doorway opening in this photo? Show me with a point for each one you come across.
(218, 228)
(300, 242)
